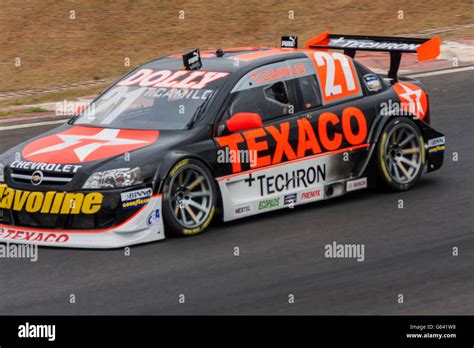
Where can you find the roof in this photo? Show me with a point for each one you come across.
(227, 63)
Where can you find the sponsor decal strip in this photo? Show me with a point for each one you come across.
(38, 230)
(243, 209)
(278, 72)
(351, 148)
(153, 218)
(287, 180)
(50, 202)
(45, 167)
(290, 199)
(372, 82)
(13, 234)
(383, 45)
(182, 79)
(437, 149)
(137, 198)
(436, 142)
(269, 203)
(356, 184)
(311, 137)
(289, 42)
(312, 195)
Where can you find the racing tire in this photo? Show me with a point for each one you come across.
(400, 155)
(189, 199)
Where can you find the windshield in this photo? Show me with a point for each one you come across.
(152, 99)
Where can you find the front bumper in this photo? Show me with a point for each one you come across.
(145, 225)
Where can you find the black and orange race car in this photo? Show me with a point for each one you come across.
(237, 132)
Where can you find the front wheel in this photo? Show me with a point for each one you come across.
(189, 202)
(400, 154)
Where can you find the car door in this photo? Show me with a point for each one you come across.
(252, 162)
(273, 98)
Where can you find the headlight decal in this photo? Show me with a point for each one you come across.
(114, 178)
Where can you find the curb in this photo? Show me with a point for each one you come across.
(32, 92)
(436, 70)
(30, 117)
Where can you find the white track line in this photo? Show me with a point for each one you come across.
(36, 124)
(442, 72)
(433, 73)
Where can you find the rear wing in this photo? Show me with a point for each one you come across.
(426, 49)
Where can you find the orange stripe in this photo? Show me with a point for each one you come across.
(295, 161)
(28, 229)
(259, 54)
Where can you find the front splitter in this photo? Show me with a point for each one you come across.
(143, 227)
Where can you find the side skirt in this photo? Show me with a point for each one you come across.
(289, 184)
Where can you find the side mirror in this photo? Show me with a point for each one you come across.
(244, 120)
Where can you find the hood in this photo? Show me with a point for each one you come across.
(79, 151)
(79, 144)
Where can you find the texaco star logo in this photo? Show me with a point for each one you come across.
(413, 98)
(83, 144)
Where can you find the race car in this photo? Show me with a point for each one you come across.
(226, 133)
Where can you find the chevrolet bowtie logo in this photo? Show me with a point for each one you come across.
(37, 178)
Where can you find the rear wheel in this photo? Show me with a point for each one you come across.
(400, 154)
(189, 202)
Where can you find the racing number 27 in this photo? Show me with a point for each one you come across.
(337, 76)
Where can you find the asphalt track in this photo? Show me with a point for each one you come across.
(407, 251)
